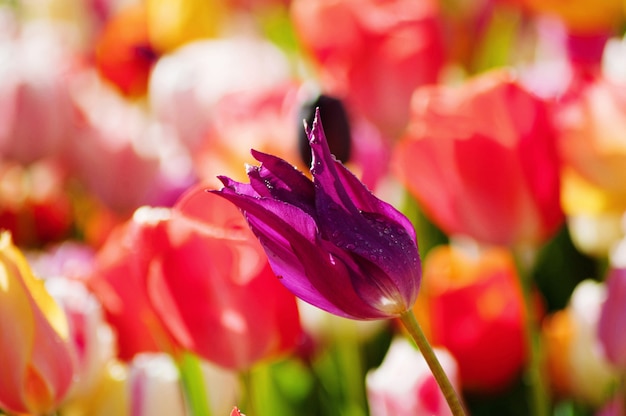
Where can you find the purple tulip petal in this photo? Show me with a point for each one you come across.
(293, 253)
(373, 229)
(330, 240)
(279, 180)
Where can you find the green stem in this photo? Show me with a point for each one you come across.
(347, 350)
(192, 378)
(410, 323)
(535, 377)
(249, 407)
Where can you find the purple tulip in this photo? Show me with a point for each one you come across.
(612, 319)
(330, 241)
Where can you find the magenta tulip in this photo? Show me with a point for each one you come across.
(330, 240)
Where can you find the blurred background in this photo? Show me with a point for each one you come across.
(497, 126)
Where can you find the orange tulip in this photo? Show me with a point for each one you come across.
(35, 357)
(473, 307)
(582, 16)
(124, 54)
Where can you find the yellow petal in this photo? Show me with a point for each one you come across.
(172, 23)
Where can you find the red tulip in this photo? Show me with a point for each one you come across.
(34, 205)
(473, 307)
(119, 282)
(481, 160)
(214, 289)
(372, 53)
(194, 277)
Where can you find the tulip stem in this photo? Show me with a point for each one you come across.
(413, 327)
(539, 397)
(192, 379)
(250, 405)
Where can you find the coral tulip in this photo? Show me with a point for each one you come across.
(481, 159)
(35, 357)
(330, 240)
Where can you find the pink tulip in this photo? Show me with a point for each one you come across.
(614, 407)
(121, 154)
(612, 318)
(264, 119)
(236, 412)
(35, 355)
(187, 84)
(404, 385)
(36, 111)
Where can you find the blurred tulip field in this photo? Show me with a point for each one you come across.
(312, 207)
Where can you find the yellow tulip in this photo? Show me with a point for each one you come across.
(36, 361)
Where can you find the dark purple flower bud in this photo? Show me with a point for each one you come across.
(336, 127)
(330, 240)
